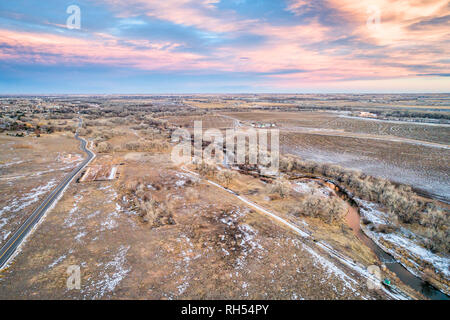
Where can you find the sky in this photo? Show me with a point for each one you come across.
(224, 46)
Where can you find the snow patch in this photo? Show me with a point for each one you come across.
(57, 261)
(114, 272)
(332, 269)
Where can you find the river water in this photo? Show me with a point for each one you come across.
(353, 220)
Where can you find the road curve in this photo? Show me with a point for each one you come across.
(8, 250)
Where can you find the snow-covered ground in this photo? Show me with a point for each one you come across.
(73, 215)
(311, 188)
(4, 165)
(186, 257)
(444, 125)
(16, 205)
(57, 261)
(402, 239)
(332, 269)
(112, 273)
(28, 199)
(302, 187)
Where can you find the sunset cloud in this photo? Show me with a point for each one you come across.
(55, 49)
(201, 14)
(291, 44)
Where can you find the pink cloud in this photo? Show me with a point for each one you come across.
(198, 13)
(397, 45)
(396, 19)
(103, 49)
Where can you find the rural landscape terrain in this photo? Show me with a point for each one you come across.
(362, 184)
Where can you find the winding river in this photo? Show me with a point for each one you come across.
(353, 220)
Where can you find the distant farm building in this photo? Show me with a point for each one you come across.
(262, 125)
(367, 114)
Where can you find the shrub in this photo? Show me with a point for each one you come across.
(329, 210)
(104, 147)
(82, 132)
(226, 177)
(428, 275)
(281, 187)
(70, 128)
(156, 213)
(438, 241)
(205, 169)
(146, 146)
(384, 228)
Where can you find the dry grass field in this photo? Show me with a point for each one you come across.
(209, 250)
(30, 168)
(157, 230)
(208, 121)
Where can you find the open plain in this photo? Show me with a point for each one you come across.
(140, 226)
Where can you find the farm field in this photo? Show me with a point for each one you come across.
(421, 167)
(338, 123)
(416, 155)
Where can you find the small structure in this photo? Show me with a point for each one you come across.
(367, 114)
(262, 125)
(100, 172)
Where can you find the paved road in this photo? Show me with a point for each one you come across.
(14, 242)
